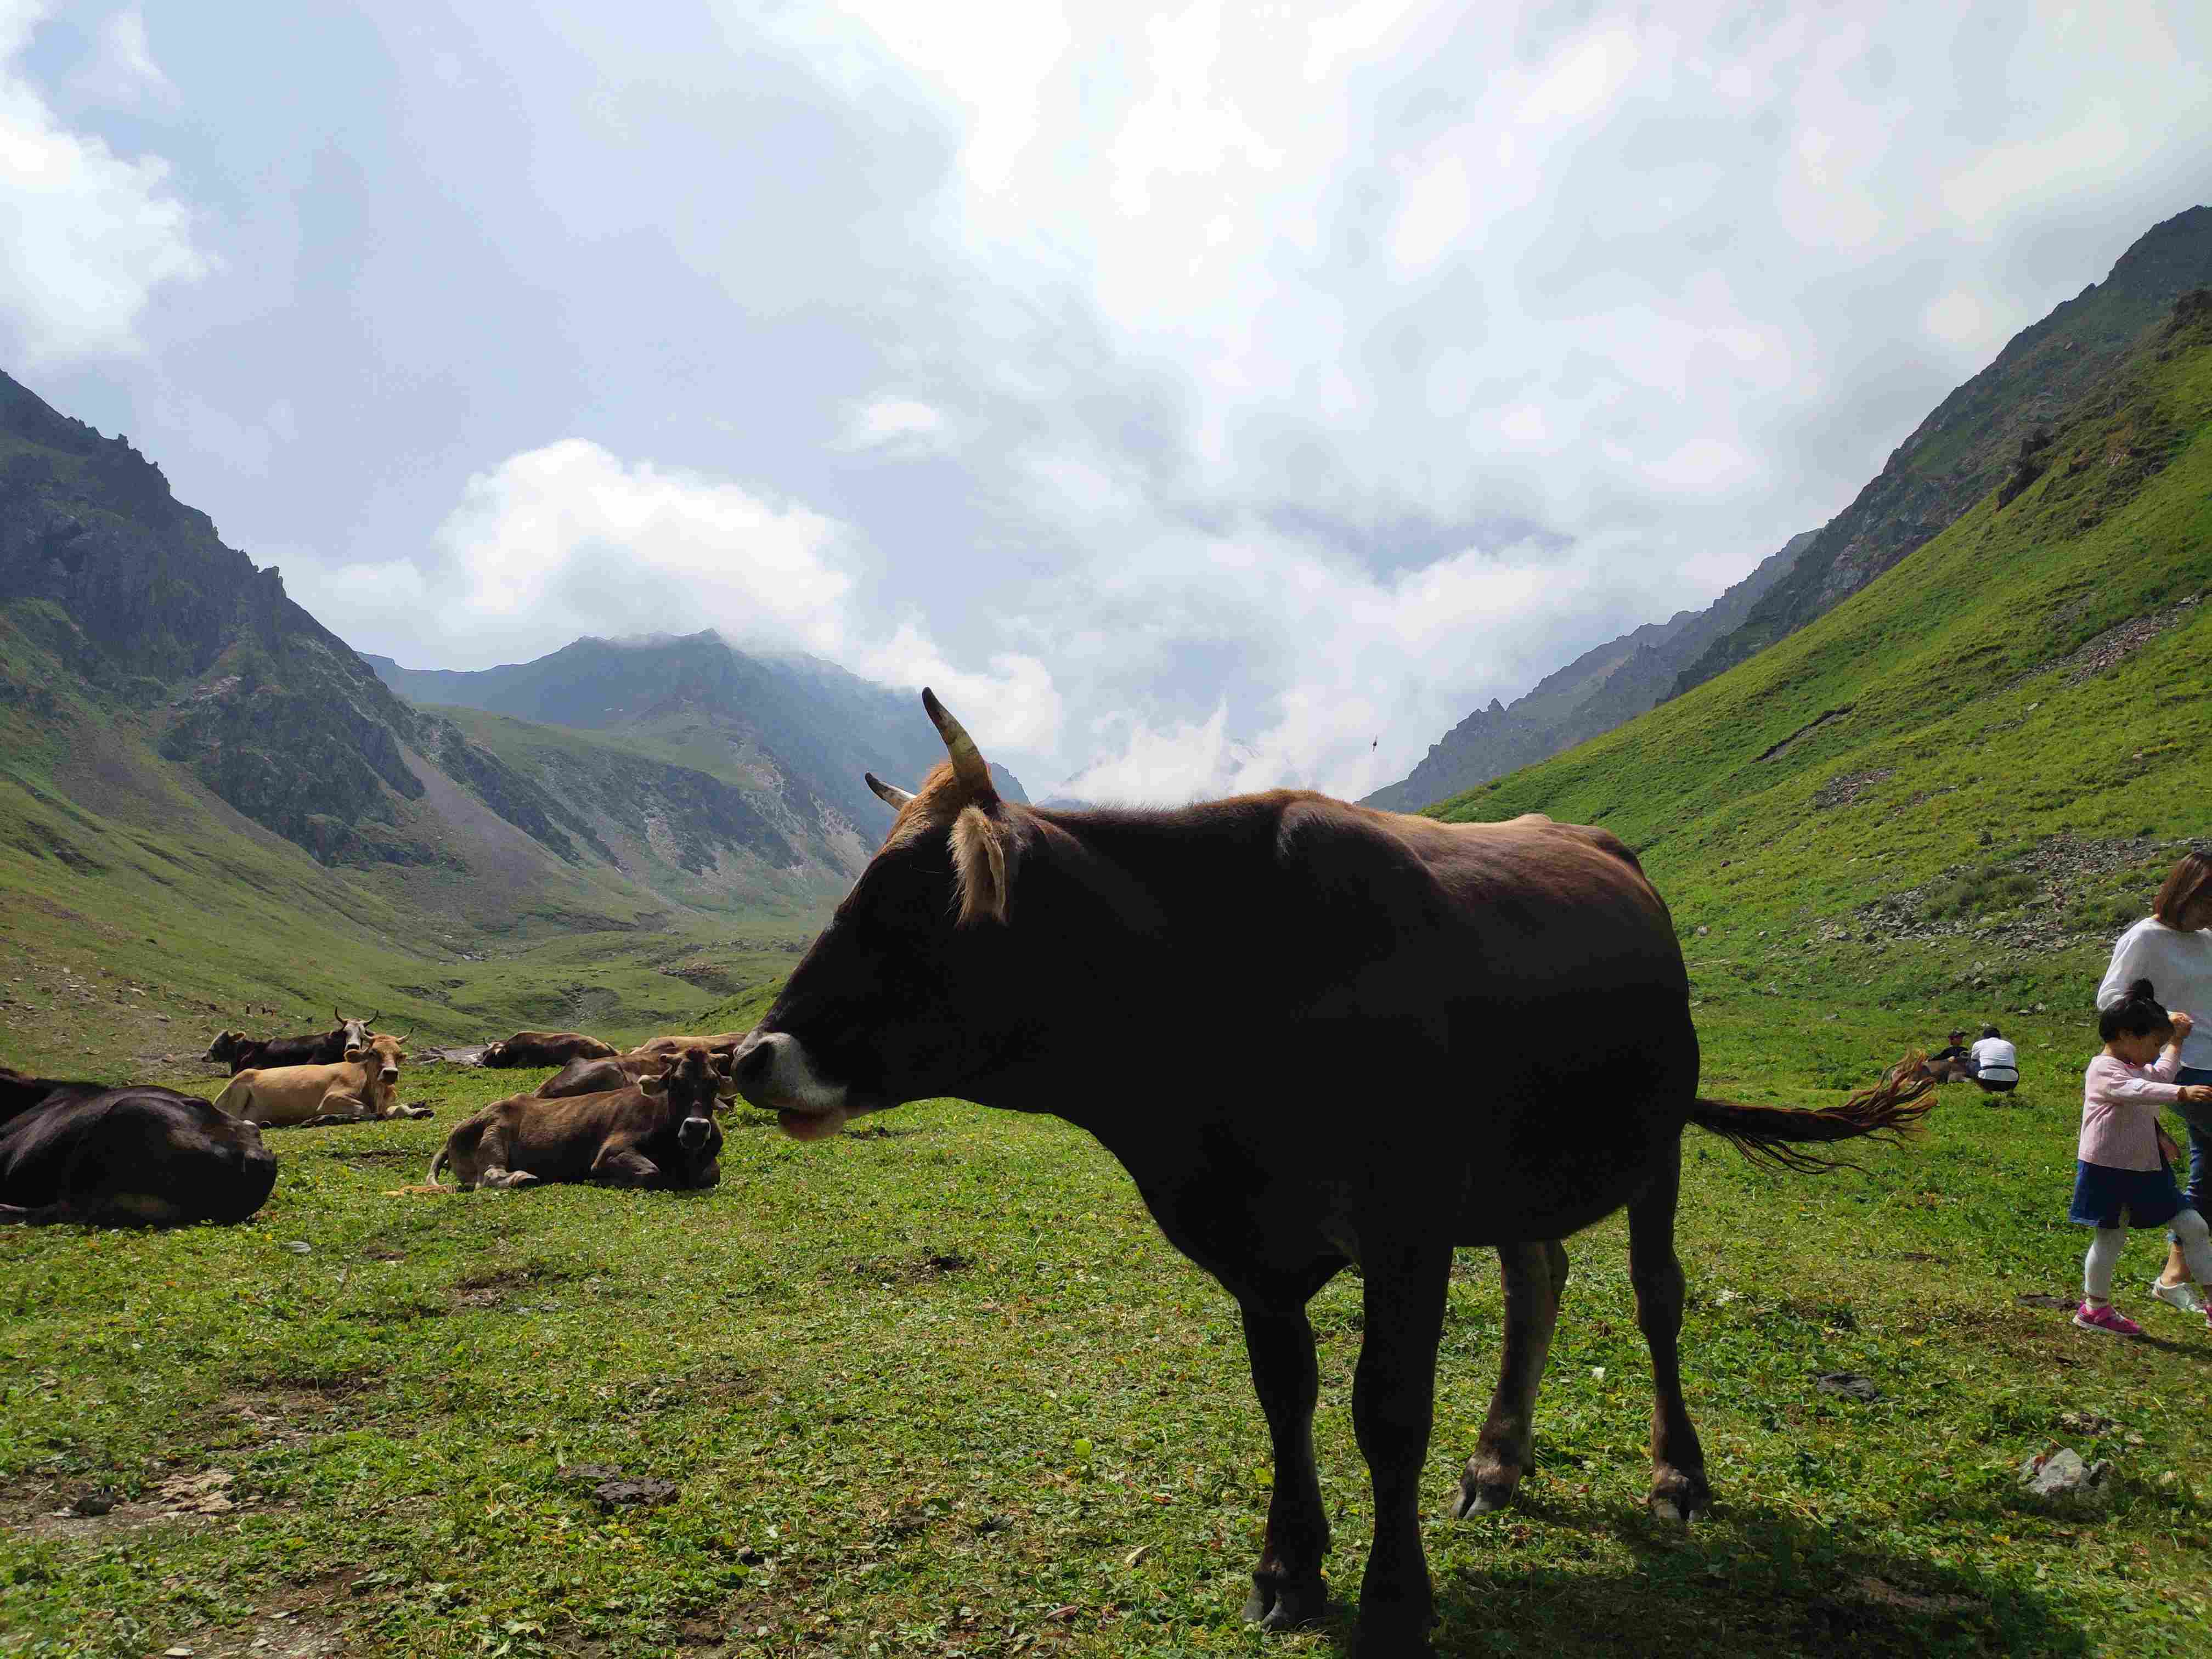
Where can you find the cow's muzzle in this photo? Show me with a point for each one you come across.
(691, 1134)
(773, 1071)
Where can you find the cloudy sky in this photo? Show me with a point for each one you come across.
(1194, 394)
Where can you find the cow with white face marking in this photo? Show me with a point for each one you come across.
(1314, 1033)
(242, 1053)
(657, 1132)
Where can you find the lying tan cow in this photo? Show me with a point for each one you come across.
(722, 1042)
(658, 1132)
(359, 1089)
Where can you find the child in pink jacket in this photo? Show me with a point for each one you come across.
(2121, 1177)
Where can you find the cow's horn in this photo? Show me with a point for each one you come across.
(891, 794)
(402, 1038)
(372, 1019)
(967, 762)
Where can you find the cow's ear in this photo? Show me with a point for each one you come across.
(981, 858)
(656, 1084)
(722, 1064)
(354, 1053)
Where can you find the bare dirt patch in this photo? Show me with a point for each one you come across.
(2116, 644)
(1846, 788)
(909, 1270)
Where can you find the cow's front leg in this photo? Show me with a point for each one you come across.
(624, 1166)
(1393, 1401)
(1287, 1590)
(1532, 1277)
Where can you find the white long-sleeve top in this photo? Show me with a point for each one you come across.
(2119, 1111)
(2178, 965)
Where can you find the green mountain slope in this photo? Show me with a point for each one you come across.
(1611, 683)
(206, 795)
(792, 728)
(1947, 795)
(1970, 442)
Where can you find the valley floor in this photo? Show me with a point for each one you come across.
(938, 1388)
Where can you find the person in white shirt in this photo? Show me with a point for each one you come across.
(2172, 947)
(1996, 1063)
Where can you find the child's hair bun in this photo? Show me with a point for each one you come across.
(2140, 991)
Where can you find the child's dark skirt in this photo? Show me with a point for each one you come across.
(2103, 1195)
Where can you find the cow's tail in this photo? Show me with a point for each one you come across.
(443, 1158)
(1771, 1134)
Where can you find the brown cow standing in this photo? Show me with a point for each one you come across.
(545, 1049)
(359, 1088)
(129, 1155)
(1314, 1034)
(658, 1132)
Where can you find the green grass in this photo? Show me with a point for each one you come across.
(923, 1388)
(938, 1388)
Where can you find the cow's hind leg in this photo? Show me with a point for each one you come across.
(1287, 1590)
(1393, 1408)
(1679, 1492)
(1532, 1277)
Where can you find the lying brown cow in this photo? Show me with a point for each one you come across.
(358, 1089)
(240, 1052)
(546, 1048)
(722, 1042)
(124, 1157)
(594, 1077)
(658, 1132)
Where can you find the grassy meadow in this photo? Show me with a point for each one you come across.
(938, 1388)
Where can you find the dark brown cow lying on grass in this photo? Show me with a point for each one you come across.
(545, 1049)
(240, 1052)
(124, 1156)
(658, 1132)
(359, 1089)
(594, 1077)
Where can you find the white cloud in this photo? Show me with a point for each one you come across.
(890, 422)
(91, 235)
(570, 539)
(123, 71)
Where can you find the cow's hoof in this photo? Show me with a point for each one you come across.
(1679, 1496)
(1481, 1497)
(521, 1178)
(1280, 1603)
(1483, 1489)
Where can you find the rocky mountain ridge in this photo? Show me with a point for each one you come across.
(1606, 685)
(1972, 441)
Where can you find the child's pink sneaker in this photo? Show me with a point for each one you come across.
(2107, 1318)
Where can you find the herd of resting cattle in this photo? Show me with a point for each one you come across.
(136, 1153)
